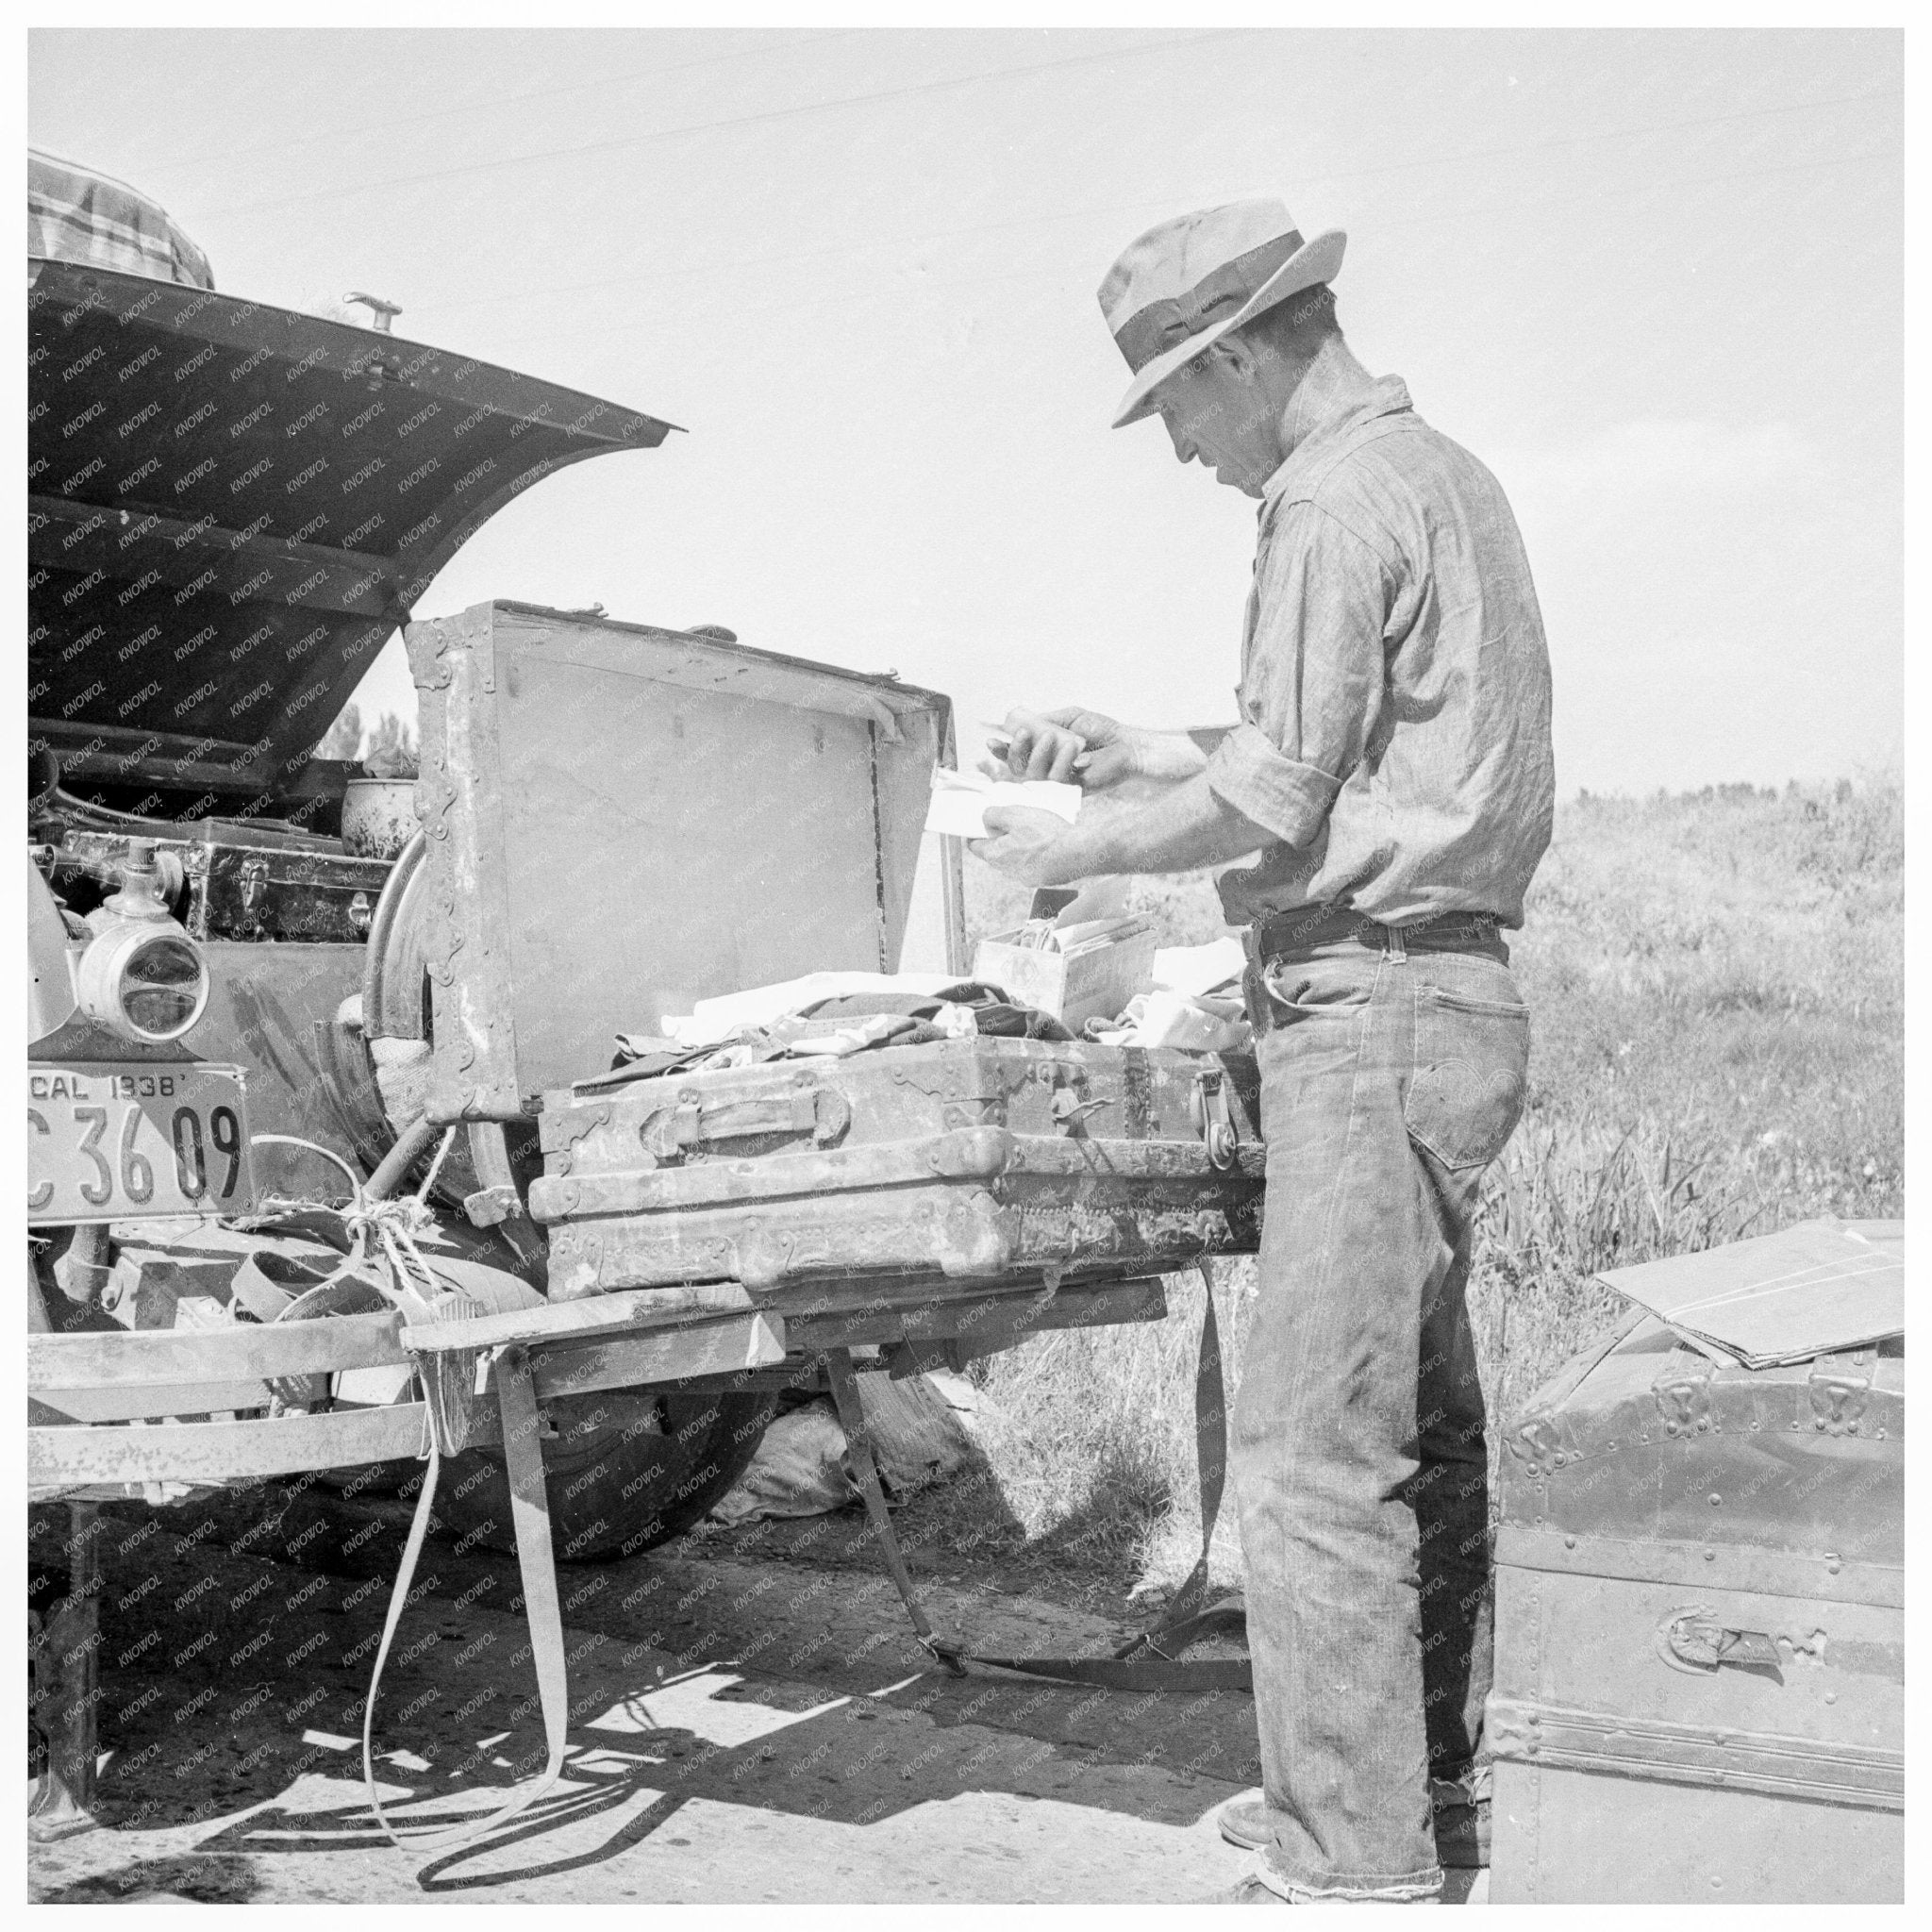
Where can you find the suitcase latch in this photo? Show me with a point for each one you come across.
(490, 1207)
(1838, 1385)
(1683, 1395)
(254, 884)
(194, 864)
(573, 1126)
(1696, 1641)
(1536, 1442)
(1214, 1119)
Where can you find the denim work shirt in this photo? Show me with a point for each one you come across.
(1396, 685)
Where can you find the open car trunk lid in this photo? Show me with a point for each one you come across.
(231, 507)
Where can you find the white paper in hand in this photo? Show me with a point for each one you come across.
(959, 800)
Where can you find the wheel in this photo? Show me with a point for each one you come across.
(627, 1470)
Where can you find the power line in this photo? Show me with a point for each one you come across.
(1483, 153)
(416, 120)
(685, 273)
(1620, 193)
(784, 307)
(593, 148)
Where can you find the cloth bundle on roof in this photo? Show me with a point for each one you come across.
(75, 215)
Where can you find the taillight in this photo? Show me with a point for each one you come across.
(143, 985)
(140, 975)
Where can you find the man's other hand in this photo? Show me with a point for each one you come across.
(1075, 747)
(1035, 847)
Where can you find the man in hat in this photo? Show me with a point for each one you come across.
(1390, 781)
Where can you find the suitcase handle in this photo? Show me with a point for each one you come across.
(1069, 1111)
(821, 1111)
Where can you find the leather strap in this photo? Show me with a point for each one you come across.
(1151, 1661)
(838, 1373)
(523, 1454)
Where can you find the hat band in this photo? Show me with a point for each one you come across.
(1165, 325)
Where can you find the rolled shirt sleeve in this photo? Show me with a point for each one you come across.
(1312, 674)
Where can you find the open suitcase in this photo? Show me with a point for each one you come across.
(624, 821)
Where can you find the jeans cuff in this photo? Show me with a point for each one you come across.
(1404, 1890)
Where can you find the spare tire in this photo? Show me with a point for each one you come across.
(626, 1470)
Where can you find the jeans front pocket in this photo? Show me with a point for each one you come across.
(1318, 987)
(1472, 1053)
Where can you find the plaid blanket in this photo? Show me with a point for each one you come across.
(74, 214)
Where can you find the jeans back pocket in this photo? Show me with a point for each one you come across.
(1472, 1055)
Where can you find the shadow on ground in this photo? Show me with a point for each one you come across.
(237, 1639)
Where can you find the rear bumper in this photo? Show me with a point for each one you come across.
(102, 1409)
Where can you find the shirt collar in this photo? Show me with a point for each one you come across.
(1387, 395)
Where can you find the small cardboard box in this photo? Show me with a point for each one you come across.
(1093, 980)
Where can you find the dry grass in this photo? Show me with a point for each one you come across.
(1717, 985)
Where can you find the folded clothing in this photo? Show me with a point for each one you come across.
(1197, 969)
(833, 1027)
(713, 1020)
(1167, 1018)
(991, 1010)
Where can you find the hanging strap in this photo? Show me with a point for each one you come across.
(859, 1440)
(523, 1455)
(1151, 1659)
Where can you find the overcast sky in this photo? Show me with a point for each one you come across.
(1651, 279)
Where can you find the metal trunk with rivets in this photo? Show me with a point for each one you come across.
(1700, 1660)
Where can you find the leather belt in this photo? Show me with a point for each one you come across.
(1309, 927)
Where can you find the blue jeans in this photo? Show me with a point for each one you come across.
(1391, 1075)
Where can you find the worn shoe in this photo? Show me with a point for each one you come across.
(1462, 1825)
(1255, 1888)
(1243, 1821)
(1251, 1889)
(1462, 1820)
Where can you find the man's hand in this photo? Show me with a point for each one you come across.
(1035, 847)
(1046, 745)
(1186, 825)
(1093, 751)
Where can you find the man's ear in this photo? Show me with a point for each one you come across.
(1232, 355)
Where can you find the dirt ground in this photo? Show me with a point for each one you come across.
(750, 1720)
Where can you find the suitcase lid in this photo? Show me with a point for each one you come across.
(1785, 1297)
(626, 820)
(1655, 1437)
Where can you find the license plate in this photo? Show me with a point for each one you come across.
(131, 1140)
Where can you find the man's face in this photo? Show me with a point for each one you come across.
(1218, 410)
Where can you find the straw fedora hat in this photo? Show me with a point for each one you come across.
(1185, 284)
